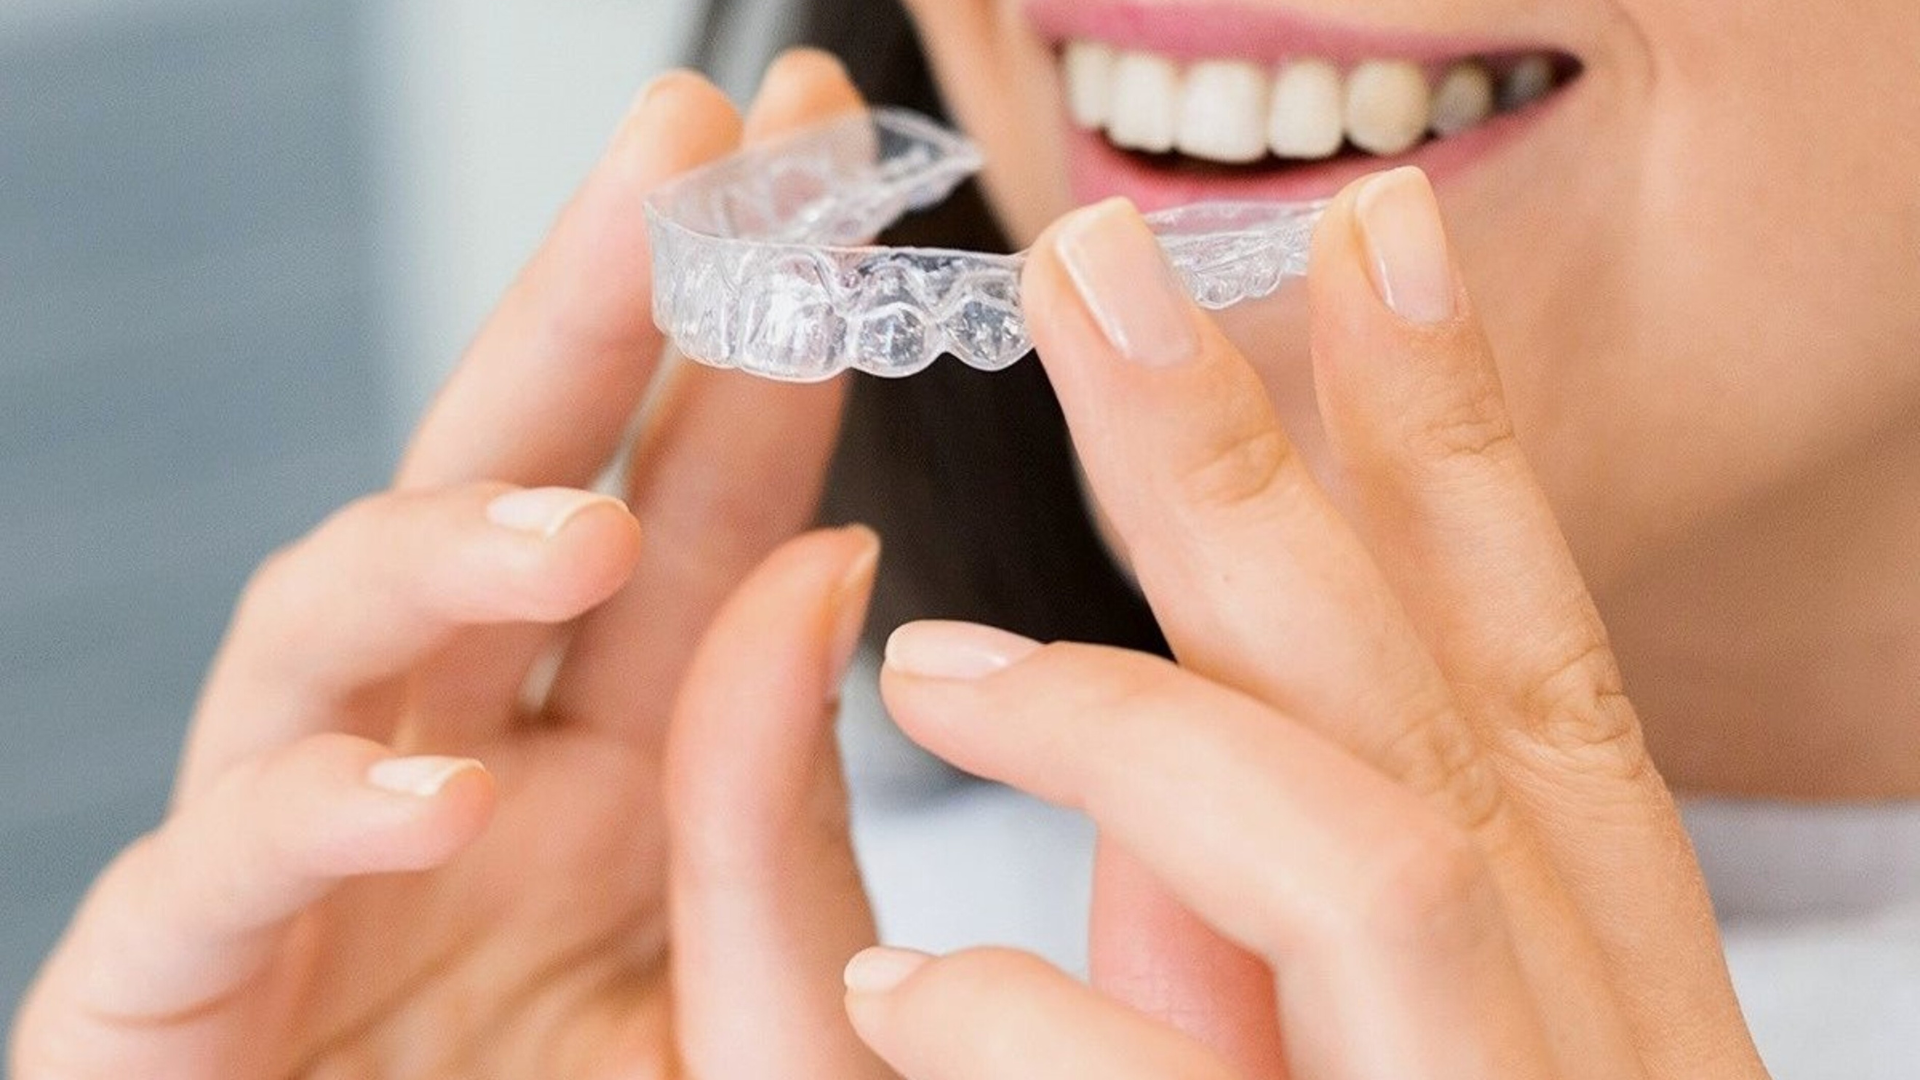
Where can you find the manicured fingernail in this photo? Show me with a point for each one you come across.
(1127, 284)
(543, 511)
(1407, 246)
(421, 777)
(879, 969)
(955, 650)
(850, 607)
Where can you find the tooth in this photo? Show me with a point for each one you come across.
(1089, 77)
(1143, 113)
(1308, 117)
(1223, 112)
(1388, 106)
(1530, 80)
(1463, 99)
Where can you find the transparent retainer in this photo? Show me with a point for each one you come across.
(756, 265)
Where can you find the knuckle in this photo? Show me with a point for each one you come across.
(267, 617)
(359, 515)
(1577, 709)
(295, 573)
(1246, 463)
(1473, 425)
(1440, 759)
(273, 580)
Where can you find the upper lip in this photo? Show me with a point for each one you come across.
(1262, 32)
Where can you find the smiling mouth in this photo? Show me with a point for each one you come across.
(1240, 112)
(1253, 92)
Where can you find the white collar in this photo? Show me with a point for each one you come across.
(1770, 860)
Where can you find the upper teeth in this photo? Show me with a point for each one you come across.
(1223, 112)
(1237, 111)
(1463, 99)
(1308, 119)
(1388, 106)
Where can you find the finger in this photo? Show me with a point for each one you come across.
(767, 901)
(547, 390)
(1253, 574)
(1258, 579)
(992, 1013)
(327, 628)
(1249, 569)
(1146, 949)
(802, 86)
(729, 467)
(1416, 416)
(169, 961)
(1379, 917)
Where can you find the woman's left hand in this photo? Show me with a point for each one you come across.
(1393, 767)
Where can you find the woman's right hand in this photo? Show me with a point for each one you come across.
(387, 859)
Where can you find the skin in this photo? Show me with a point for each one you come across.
(1390, 813)
(1712, 366)
(1713, 383)
(1382, 765)
(616, 874)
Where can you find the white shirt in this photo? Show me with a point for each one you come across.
(1819, 906)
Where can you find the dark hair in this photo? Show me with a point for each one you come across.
(968, 476)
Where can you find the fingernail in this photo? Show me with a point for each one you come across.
(800, 57)
(850, 599)
(644, 98)
(879, 969)
(632, 124)
(1127, 284)
(421, 777)
(955, 650)
(1407, 246)
(544, 511)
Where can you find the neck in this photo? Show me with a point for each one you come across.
(1778, 655)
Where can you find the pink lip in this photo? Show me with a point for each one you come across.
(1183, 31)
(1188, 31)
(1097, 170)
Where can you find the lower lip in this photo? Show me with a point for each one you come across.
(1098, 170)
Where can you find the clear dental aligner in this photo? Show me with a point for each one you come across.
(756, 265)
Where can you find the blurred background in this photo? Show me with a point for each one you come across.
(240, 241)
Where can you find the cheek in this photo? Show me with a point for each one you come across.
(999, 81)
(1775, 214)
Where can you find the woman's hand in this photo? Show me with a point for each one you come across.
(1394, 764)
(387, 858)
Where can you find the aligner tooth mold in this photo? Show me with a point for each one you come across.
(760, 264)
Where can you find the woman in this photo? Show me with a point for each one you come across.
(1391, 813)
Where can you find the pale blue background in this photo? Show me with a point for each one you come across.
(239, 239)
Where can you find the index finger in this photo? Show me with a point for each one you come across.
(1251, 571)
(545, 393)
(1388, 938)
(1254, 574)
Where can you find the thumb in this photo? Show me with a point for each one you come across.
(766, 896)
